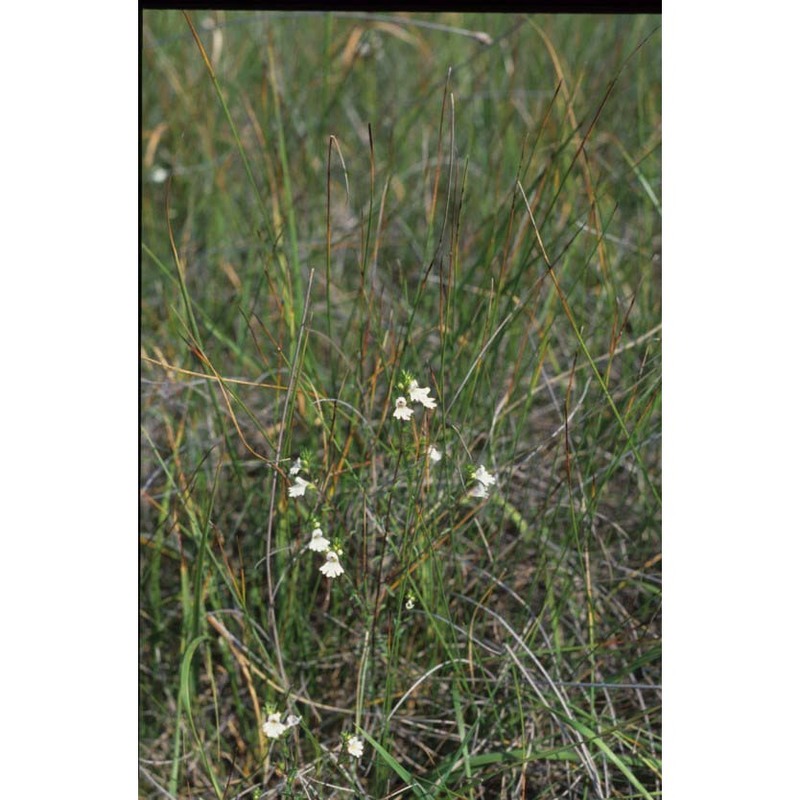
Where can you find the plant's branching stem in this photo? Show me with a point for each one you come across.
(273, 492)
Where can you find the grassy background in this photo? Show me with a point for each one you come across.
(287, 278)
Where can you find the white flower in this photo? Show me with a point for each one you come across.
(292, 720)
(332, 568)
(486, 478)
(296, 467)
(434, 455)
(479, 490)
(420, 395)
(402, 410)
(273, 727)
(298, 488)
(410, 602)
(355, 746)
(318, 543)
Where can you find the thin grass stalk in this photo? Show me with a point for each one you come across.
(591, 361)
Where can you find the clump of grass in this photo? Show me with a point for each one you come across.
(400, 406)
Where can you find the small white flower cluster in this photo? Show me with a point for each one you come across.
(483, 480)
(478, 482)
(274, 728)
(332, 567)
(409, 385)
(298, 488)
